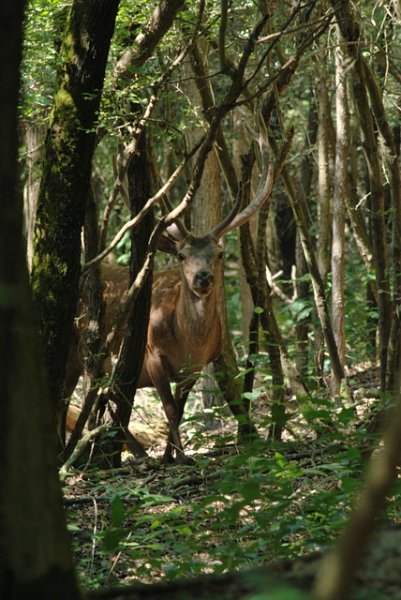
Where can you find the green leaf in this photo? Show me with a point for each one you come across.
(117, 511)
(184, 530)
(250, 490)
(112, 539)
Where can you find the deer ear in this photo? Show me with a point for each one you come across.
(167, 244)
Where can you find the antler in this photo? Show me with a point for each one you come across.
(265, 188)
(234, 220)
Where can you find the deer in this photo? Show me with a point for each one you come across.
(185, 330)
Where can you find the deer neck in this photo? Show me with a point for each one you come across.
(196, 315)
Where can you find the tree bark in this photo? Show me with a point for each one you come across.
(340, 191)
(145, 43)
(34, 134)
(241, 144)
(323, 170)
(302, 284)
(35, 557)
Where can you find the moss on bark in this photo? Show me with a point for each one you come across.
(65, 182)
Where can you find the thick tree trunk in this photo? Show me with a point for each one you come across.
(65, 180)
(206, 213)
(35, 558)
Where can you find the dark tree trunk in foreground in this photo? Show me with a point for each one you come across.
(65, 179)
(128, 368)
(35, 559)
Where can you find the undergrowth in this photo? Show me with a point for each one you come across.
(237, 508)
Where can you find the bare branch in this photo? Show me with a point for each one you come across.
(135, 220)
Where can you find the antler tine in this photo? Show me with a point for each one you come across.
(218, 231)
(264, 192)
(178, 229)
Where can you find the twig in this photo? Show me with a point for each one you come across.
(136, 220)
(88, 437)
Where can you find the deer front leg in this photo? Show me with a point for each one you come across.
(159, 377)
(181, 394)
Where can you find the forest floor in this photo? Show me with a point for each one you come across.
(237, 507)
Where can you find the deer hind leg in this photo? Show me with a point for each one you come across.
(181, 394)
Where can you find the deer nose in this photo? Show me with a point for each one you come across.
(203, 278)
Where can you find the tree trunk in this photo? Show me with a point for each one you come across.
(349, 28)
(393, 375)
(206, 213)
(34, 134)
(65, 180)
(132, 351)
(323, 171)
(206, 208)
(340, 190)
(299, 211)
(35, 558)
(241, 145)
(303, 285)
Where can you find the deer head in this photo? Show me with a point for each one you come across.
(199, 259)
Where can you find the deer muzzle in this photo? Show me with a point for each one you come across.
(203, 281)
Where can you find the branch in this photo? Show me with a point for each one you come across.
(80, 447)
(160, 22)
(136, 220)
(225, 66)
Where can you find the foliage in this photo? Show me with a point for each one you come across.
(42, 33)
(253, 507)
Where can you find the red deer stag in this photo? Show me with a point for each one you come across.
(184, 331)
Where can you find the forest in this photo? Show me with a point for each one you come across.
(200, 299)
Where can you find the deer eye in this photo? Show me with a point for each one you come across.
(181, 256)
